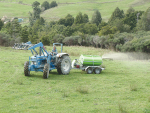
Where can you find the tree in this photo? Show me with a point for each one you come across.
(69, 20)
(36, 13)
(130, 10)
(90, 28)
(79, 18)
(107, 30)
(96, 18)
(120, 25)
(45, 5)
(16, 28)
(131, 18)
(62, 21)
(102, 24)
(53, 4)
(144, 23)
(40, 21)
(67, 31)
(116, 14)
(58, 38)
(24, 34)
(85, 18)
(1, 24)
(35, 4)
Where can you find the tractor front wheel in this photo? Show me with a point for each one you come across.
(26, 69)
(45, 71)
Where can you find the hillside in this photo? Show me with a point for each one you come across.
(16, 8)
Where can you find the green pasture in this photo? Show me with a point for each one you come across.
(11, 8)
(124, 86)
(14, 10)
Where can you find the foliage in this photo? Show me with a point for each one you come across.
(58, 38)
(73, 40)
(121, 27)
(36, 13)
(130, 10)
(24, 34)
(69, 20)
(117, 14)
(4, 39)
(1, 24)
(96, 18)
(102, 24)
(12, 28)
(46, 5)
(131, 18)
(107, 30)
(85, 18)
(53, 4)
(67, 31)
(79, 18)
(144, 23)
(90, 29)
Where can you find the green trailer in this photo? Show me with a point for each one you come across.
(88, 63)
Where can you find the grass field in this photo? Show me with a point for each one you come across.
(11, 8)
(123, 87)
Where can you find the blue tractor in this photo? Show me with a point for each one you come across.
(44, 61)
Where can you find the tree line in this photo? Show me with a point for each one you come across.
(124, 31)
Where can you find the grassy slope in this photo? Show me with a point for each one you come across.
(14, 10)
(109, 91)
(72, 7)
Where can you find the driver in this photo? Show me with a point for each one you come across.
(54, 51)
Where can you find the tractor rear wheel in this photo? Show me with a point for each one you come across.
(26, 69)
(64, 65)
(97, 70)
(45, 71)
(89, 70)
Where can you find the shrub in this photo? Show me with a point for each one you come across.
(45, 4)
(53, 4)
(58, 38)
(73, 40)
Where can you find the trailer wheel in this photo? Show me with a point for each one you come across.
(97, 70)
(89, 70)
(45, 71)
(26, 69)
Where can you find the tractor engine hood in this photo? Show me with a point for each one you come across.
(61, 54)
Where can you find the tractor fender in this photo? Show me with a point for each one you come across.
(62, 54)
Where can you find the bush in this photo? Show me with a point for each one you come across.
(58, 38)
(6, 40)
(73, 40)
(45, 5)
(53, 4)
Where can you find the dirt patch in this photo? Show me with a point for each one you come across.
(127, 56)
